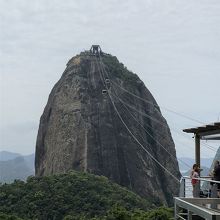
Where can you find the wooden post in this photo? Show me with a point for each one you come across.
(198, 162)
(197, 150)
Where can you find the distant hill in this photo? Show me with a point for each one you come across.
(205, 162)
(204, 172)
(75, 196)
(6, 155)
(29, 159)
(15, 166)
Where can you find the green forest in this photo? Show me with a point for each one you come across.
(75, 196)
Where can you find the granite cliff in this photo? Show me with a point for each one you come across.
(81, 130)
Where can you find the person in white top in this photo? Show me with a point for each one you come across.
(195, 183)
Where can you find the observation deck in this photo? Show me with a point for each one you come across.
(206, 205)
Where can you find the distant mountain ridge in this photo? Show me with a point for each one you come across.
(15, 166)
(6, 155)
(205, 162)
(204, 172)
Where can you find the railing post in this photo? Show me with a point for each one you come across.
(182, 187)
(214, 194)
(189, 215)
(176, 210)
(214, 191)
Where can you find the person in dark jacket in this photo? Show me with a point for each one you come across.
(216, 176)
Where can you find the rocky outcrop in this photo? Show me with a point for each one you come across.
(81, 130)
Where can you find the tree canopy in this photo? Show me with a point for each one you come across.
(74, 195)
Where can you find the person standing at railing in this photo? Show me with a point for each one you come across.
(195, 183)
(212, 173)
(216, 176)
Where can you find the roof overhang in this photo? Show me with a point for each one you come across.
(211, 137)
(206, 132)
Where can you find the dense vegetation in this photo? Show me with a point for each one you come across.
(74, 196)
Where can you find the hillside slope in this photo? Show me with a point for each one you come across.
(75, 194)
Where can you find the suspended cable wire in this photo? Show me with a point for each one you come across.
(150, 102)
(159, 122)
(142, 113)
(152, 118)
(210, 146)
(152, 157)
(134, 137)
(189, 166)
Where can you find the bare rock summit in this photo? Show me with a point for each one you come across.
(89, 123)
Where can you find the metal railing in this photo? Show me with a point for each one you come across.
(210, 190)
(197, 208)
(200, 204)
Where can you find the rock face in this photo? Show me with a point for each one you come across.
(81, 130)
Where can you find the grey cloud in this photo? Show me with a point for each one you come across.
(172, 45)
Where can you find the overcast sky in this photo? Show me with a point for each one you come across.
(174, 47)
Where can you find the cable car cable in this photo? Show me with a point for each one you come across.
(152, 157)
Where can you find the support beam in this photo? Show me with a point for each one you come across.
(189, 215)
(197, 150)
(211, 132)
(198, 160)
